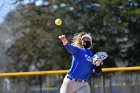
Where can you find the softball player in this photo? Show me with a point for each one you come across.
(82, 66)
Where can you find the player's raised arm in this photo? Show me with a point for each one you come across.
(72, 49)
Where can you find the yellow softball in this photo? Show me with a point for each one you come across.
(58, 22)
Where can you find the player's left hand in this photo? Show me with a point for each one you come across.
(98, 63)
(99, 57)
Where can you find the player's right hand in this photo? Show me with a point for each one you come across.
(63, 39)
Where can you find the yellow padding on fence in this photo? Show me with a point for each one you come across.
(65, 71)
(121, 69)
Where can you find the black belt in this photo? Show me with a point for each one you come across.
(76, 80)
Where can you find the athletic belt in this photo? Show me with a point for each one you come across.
(76, 80)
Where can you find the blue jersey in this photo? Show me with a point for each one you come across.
(81, 67)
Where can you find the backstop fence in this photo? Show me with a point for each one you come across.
(113, 80)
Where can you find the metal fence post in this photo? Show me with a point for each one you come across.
(40, 83)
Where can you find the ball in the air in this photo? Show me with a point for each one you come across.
(58, 22)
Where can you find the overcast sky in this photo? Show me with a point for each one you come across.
(5, 7)
(10, 5)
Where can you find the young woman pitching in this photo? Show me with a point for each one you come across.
(82, 64)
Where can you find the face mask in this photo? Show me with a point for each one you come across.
(86, 44)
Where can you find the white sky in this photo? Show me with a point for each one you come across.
(8, 5)
(5, 7)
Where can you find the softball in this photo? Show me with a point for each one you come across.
(58, 22)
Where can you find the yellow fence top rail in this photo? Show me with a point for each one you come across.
(65, 71)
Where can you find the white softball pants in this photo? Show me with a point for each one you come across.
(72, 86)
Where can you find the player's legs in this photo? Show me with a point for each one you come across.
(68, 86)
(84, 89)
(72, 86)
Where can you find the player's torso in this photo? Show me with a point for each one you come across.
(82, 65)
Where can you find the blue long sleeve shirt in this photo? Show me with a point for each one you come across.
(81, 67)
